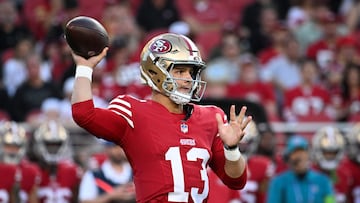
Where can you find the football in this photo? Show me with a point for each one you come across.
(86, 36)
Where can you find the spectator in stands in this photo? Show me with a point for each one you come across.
(119, 21)
(30, 95)
(283, 71)
(20, 178)
(326, 44)
(112, 182)
(350, 93)
(228, 56)
(14, 69)
(249, 87)
(40, 15)
(352, 161)
(308, 101)
(299, 183)
(328, 149)
(278, 37)
(156, 14)
(60, 176)
(206, 19)
(302, 20)
(11, 28)
(258, 21)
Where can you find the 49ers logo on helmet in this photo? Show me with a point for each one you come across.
(160, 46)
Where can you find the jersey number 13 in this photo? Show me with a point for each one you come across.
(179, 194)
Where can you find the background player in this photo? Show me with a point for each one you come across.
(20, 178)
(260, 167)
(60, 177)
(328, 148)
(169, 142)
(352, 162)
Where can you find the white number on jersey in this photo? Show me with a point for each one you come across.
(179, 194)
(248, 194)
(60, 195)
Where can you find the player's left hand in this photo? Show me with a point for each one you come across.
(231, 133)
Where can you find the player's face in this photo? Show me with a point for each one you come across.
(11, 150)
(183, 76)
(299, 161)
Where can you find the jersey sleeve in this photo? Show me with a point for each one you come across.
(103, 123)
(217, 163)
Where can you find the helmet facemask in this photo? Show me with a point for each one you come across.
(328, 148)
(13, 143)
(156, 67)
(52, 143)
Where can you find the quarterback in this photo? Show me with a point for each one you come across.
(169, 141)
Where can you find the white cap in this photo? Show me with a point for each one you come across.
(180, 27)
(68, 85)
(50, 104)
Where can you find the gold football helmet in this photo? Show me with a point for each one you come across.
(52, 142)
(328, 146)
(12, 142)
(353, 138)
(160, 55)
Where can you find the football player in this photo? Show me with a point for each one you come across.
(60, 176)
(328, 147)
(169, 140)
(19, 177)
(261, 169)
(352, 162)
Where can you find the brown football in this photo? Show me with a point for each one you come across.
(86, 36)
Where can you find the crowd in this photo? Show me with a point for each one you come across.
(298, 59)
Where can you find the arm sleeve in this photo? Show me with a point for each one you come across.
(102, 123)
(217, 165)
(88, 189)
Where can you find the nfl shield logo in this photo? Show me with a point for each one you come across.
(184, 128)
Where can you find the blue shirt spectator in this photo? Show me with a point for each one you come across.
(300, 183)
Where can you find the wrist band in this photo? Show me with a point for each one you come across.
(233, 154)
(84, 71)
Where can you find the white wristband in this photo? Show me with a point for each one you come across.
(232, 155)
(84, 71)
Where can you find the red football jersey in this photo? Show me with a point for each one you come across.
(260, 168)
(169, 155)
(58, 188)
(354, 168)
(28, 175)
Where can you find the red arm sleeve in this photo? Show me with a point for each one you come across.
(102, 123)
(217, 164)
